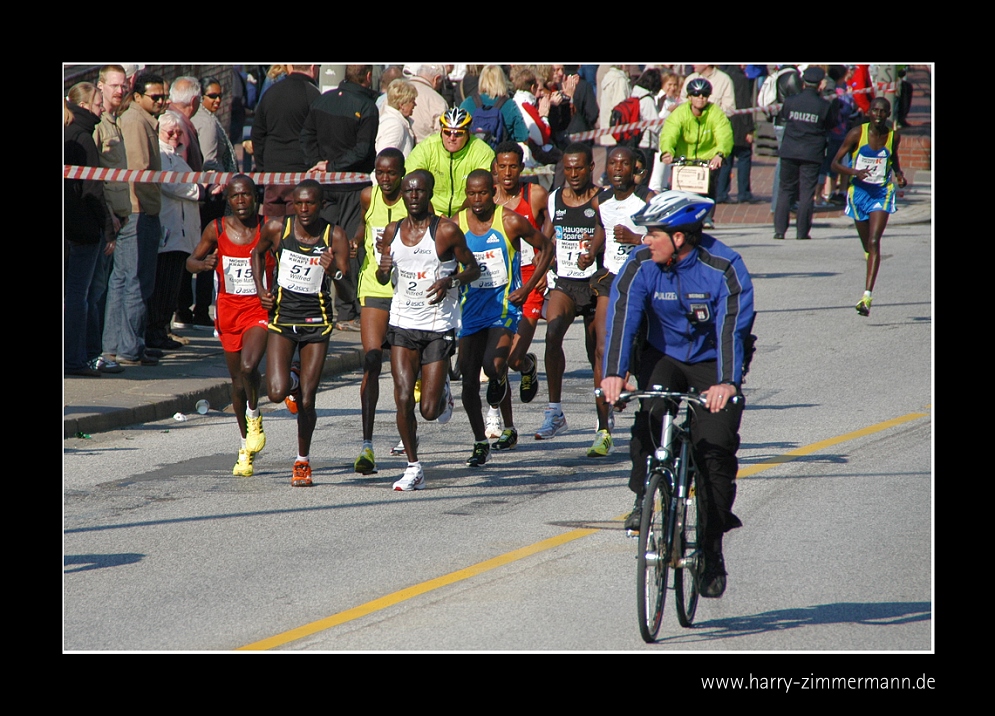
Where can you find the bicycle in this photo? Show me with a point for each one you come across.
(670, 532)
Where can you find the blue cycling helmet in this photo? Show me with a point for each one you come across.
(674, 211)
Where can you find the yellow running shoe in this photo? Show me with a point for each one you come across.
(255, 438)
(243, 468)
(602, 446)
(365, 464)
(417, 391)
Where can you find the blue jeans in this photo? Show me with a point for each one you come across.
(80, 260)
(130, 285)
(743, 157)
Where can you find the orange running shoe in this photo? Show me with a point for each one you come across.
(302, 475)
(294, 396)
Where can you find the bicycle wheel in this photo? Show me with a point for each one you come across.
(652, 569)
(686, 577)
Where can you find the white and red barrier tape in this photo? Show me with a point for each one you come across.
(882, 87)
(144, 176)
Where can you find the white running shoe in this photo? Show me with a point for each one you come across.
(492, 426)
(399, 448)
(553, 423)
(447, 413)
(413, 479)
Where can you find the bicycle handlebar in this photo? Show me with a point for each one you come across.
(625, 398)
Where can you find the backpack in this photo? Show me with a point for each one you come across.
(626, 112)
(488, 122)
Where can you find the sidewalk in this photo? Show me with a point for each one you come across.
(198, 371)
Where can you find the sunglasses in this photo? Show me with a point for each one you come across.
(157, 97)
(454, 132)
(214, 95)
(697, 94)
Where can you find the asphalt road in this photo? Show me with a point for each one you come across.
(165, 550)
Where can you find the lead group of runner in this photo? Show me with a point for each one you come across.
(482, 278)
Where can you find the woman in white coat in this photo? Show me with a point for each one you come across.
(395, 119)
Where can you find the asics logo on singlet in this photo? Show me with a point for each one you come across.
(423, 251)
(664, 296)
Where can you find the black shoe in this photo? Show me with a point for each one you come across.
(804, 238)
(780, 237)
(153, 352)
(496, 391)
(481, 451)
(713, 576)
(167, 345)
(203, 322)
(529, 385)
(635, 517)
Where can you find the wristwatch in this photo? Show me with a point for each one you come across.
(454, 281)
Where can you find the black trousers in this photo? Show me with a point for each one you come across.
(170, 269)
(714, 438)
(798, 180)
(345, 209)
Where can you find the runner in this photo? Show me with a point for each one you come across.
(580, 240)
(300, 307)
(873, 149)
(419, 255)
(616, 204)
(530, 201)
(241, 322)
(491, 305)
(381, 205)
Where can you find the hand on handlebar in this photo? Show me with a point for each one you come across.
(718, 396)
(612, 387)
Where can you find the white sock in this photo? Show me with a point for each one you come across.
(493, 412)
(303, 458)
(252, 413)
(867, 295)
(558, 407)
(243, 443)
(368, 444)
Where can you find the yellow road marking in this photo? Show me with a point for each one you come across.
(509, 557)
(415, 590)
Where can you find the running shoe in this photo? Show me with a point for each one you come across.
(529, 386)
(496, 390)
(864, 306)
(302, 475)
(508, 440)
(492, 426)
(295, 395)
(602, 445)
(243, 468)
(399, 448)
(255, 438)
(481, 451)
(553, 423)
(447, 413)
(366, 464)
(412, 479)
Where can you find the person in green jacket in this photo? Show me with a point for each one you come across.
(450, 156)
(698, 130)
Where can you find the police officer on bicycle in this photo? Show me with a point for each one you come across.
(694, 298)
